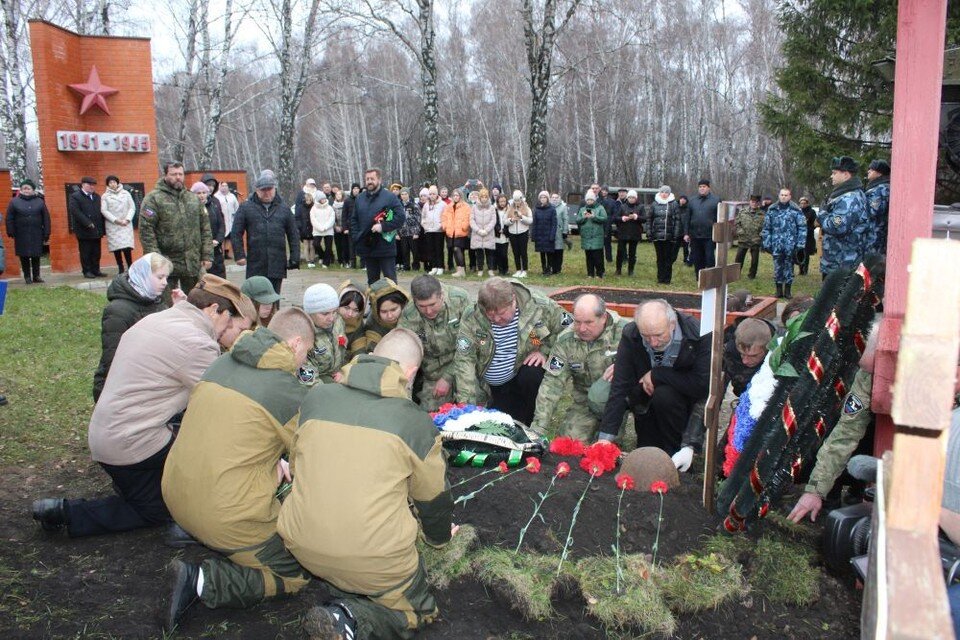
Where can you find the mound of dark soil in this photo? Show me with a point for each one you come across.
(107, 586)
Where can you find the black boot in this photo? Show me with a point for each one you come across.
(779, 290)
(27, 278)
(181, 592)
(3, 400)
(786, 291)
(51, 513)
(36, 273)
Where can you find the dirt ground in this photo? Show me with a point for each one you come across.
(106, 587)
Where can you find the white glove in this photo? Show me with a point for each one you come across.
(683, 459)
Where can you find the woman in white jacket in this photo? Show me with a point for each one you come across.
(520, 217)
(483, 222)
(116, 205)
(322, 218)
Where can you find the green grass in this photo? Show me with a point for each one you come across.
(639, 603)
(696, 582)
(448, 563)
(782, 572)
(49, 349)
(527, 581)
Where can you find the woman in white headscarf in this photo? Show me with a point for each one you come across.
(132, 295)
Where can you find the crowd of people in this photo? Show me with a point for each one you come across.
(236, 422)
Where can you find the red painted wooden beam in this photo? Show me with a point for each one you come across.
(918, 76)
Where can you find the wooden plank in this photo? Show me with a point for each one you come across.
(917, 597)
(873, 614)
(917, 489)
(929, 342)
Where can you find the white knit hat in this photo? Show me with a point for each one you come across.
(589, 196)
(320, 298)
(631, 194)
(518, 196)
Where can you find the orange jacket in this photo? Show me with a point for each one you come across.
(456, 220)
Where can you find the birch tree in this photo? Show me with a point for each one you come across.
(13, 88)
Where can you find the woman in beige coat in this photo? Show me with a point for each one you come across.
(116, 205)
(483, 222)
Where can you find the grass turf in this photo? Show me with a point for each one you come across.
(49, 349)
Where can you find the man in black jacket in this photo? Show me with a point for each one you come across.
(269, 228)
(377, 217)
(698, 227)
(83, 205)
(662, 370)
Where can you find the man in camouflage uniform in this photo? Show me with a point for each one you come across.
(329, 352)
(784, 236)
(748, 226)
(174, 223)
(435, 317)
(583, 354)
(844, 219)
(508, 370)
(878, 199)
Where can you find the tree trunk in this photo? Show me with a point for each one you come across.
(13, 100)
(428, 78)
(215, 112)
(189, 82)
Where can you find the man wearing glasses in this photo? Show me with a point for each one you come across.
(662, 370)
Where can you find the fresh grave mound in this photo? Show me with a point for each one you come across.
(706, 583)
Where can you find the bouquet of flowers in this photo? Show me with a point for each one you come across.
(479, 437)
(384, 215)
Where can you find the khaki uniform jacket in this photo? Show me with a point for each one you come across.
(541, 321)
(173, 223)
(220, 479)
(329, 353)
(362, 453)
(846, 435)
(748, 225)
(582, 363)
(439, 336)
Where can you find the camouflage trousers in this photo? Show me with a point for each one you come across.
(247, 576)
(426, 395)
(582, 421)
(783, 269)
(393, 614)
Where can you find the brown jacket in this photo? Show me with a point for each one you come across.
(362, 453)
(157, 364)
(219, 480)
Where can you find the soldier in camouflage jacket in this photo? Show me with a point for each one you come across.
(749, 224)
(583, 355)
(435, 317)
(540, 321)
(878, 200)
(175, 224)
(844, 219)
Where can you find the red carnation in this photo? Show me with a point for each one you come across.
(566, 446)
(592, 466)
(606, 453)
(503, 467)
(533, 465)
(342, 341)
(659, 486)
(625, 481)
(563, 469)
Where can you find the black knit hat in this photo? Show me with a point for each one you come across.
(844, 163)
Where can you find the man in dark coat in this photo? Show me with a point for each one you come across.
(810, 246)
(83, 207)
(662, 370)
(698, 227)
(349, 205)
(612, 207)
(377, 217)
(267, 224)
(28, 223)
(218, 229)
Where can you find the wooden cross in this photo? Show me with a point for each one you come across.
(716, 280)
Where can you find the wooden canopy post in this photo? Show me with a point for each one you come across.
(716, 279)
(910, 597)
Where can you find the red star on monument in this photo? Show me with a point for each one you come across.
(94, 92)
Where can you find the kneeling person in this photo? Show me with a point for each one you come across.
(329, 351)
(352, 526)
(583, 354)
(221, 475)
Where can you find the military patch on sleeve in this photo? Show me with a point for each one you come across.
(853, 405)
(306, 375)
(555, 364)
(463, 345)
(566, 320)
(837, 220)
(149, 212)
